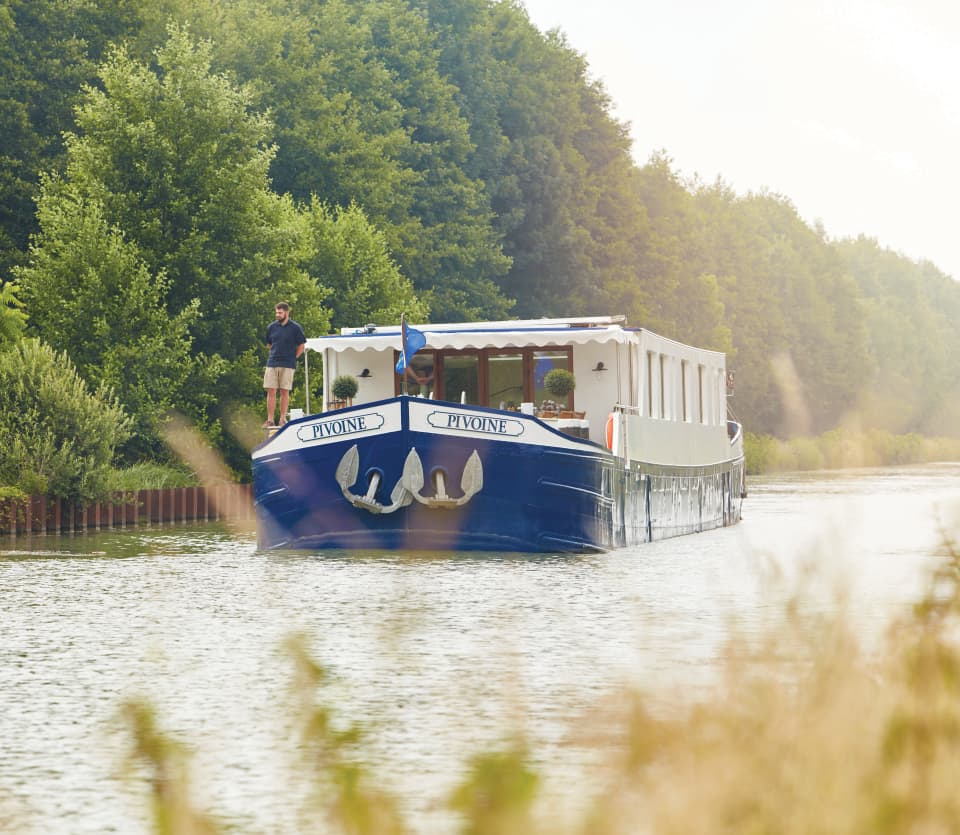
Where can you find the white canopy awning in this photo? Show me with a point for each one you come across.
(382, 340)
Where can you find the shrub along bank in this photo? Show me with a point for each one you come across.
(843, 448)
(57, 435)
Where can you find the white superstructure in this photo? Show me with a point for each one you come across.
(668, 399)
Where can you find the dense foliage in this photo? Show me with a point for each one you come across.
(55, 434)
(183, 164)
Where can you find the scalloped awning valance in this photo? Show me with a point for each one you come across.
(459, 340)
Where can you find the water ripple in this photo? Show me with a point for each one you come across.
(437, 655)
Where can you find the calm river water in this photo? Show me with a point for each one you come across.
(438, 655)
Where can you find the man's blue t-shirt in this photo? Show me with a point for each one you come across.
(283, 341)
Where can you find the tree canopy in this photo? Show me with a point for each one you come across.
(181, 165)
(56, 434)
(162, 244)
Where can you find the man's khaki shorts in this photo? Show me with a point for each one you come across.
(278, 378)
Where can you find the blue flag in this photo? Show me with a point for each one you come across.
(411, 341)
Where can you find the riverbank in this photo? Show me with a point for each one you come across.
(843, 449)
(42, 514)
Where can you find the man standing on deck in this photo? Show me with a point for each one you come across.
(286, 341)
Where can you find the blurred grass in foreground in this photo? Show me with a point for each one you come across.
(804, 734)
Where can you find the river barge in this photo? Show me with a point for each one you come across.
(465, 449)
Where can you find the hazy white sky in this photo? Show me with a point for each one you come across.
(850, 108)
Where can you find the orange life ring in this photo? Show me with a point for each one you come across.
(610, 431)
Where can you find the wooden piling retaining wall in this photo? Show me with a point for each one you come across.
(169, 505)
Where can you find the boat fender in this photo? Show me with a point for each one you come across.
(609, 431)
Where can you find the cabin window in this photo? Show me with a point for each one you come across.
(505, 376)
(461, 378)
(486, 377)
(421, 374)
(543, 363)
(683, 389)
(663, 387)
(700, 393)
(721, 398)
(649, 383)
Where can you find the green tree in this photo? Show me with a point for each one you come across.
(819, 305)
(747, 276)
(174, 165)
(92, 295)
(364, 115)
(180, 164)
(704, 323)
(910, 311)
(555, 164)
(352, 259)
(56, 435)
(12, 318)
(663, 256)
(48, 49)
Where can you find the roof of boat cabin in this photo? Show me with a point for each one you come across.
(518, 333)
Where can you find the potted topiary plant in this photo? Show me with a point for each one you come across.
(344, 388)
(560, 382)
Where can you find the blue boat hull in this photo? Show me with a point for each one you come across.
(529, 487)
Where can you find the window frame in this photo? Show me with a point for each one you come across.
(483, 369)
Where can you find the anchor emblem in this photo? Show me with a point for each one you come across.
(347, 471)
(410, 484)
(471, 482)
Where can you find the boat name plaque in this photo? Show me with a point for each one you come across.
(336, 427)
(484, 424)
